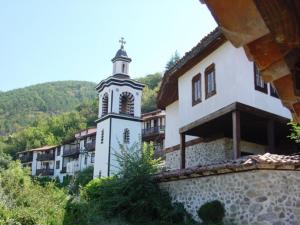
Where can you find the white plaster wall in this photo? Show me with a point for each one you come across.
(118, 65)
(172, 136)
(34, 164)
(234, 83)
(101, 154)
(58, 158)
(118, 127)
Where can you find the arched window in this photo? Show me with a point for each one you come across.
(126, 105)
(126, 136)
(104, 104)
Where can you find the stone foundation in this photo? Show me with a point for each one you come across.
(258, 197)
(207, 153)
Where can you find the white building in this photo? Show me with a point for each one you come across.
(153, 130)
(119, 114)
(218, 108)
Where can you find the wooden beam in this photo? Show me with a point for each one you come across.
(236, 134)
(182, 151)
(271, 136)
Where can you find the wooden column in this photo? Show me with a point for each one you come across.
(236, 134)
(182, 151)
(271, 136)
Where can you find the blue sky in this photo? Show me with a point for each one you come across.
(54, 40)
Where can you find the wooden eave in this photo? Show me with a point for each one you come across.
(168, 92)
(269, 31)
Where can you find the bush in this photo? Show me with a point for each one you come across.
(131, 195)
(212, 212)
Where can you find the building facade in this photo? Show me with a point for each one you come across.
(153, 131)
(218, 107)
(119, 114)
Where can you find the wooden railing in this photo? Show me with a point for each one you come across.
(26, 158)
(45, 157)
(45, 172)
(90, 146)
(73, 150)
(153, 130)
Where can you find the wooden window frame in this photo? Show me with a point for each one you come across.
(208, 70)
(258, 88)
(194, 80)
(57, 164)
(273, 91)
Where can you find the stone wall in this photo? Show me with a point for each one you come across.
(207, 153)
(258, 197)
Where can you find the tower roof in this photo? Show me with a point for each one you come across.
(121, 53)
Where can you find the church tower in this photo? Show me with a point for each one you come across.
(119, 118)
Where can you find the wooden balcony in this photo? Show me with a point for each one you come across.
(45, 172)
(90, 146)
(152, 131)
(71, 151)
(45, 157)
(26, 158)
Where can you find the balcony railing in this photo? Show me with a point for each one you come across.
(45, 157)
(153, 131)
(26, 158)
(90, 146)
(73, 150)
(45, 172)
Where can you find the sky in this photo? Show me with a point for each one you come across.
(42, 41)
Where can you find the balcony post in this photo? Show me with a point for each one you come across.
(182, 151)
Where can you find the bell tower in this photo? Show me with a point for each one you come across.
(119, 118)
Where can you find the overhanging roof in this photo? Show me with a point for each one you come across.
(168, 92)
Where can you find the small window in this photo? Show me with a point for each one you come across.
(273, 91)
(93, 157)
(123, 68)
(57, 164)
(58, 152)
(85, 159)
(196, 89)
(105, 104)
(210, 81)
(102, 136)
(126, 136)
(259, 83)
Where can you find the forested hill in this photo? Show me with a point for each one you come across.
(20, 107)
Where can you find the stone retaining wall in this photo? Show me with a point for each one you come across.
(207, 153)
(258, 197)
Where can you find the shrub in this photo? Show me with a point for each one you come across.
(212, 212)
(131, 195)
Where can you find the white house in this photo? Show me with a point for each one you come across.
(218, 108)
(119, 114)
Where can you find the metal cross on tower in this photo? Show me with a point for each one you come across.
(123, 42)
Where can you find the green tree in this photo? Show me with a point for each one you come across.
(172, 61)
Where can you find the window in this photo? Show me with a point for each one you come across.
(85, 159)
(260, 85)
(58, 151)
(126, 104)
(57, 164)
(102, 136)
(93, 157)
(104, 104)
(196, 89)
(123, 68)
(210, 81)
(273, 91)
(126, 136)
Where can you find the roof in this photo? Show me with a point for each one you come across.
(121, 55)
(155, 113)
(255, 162)
(44, 148)
(168, 92)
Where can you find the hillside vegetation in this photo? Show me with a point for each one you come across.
(21, 107)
